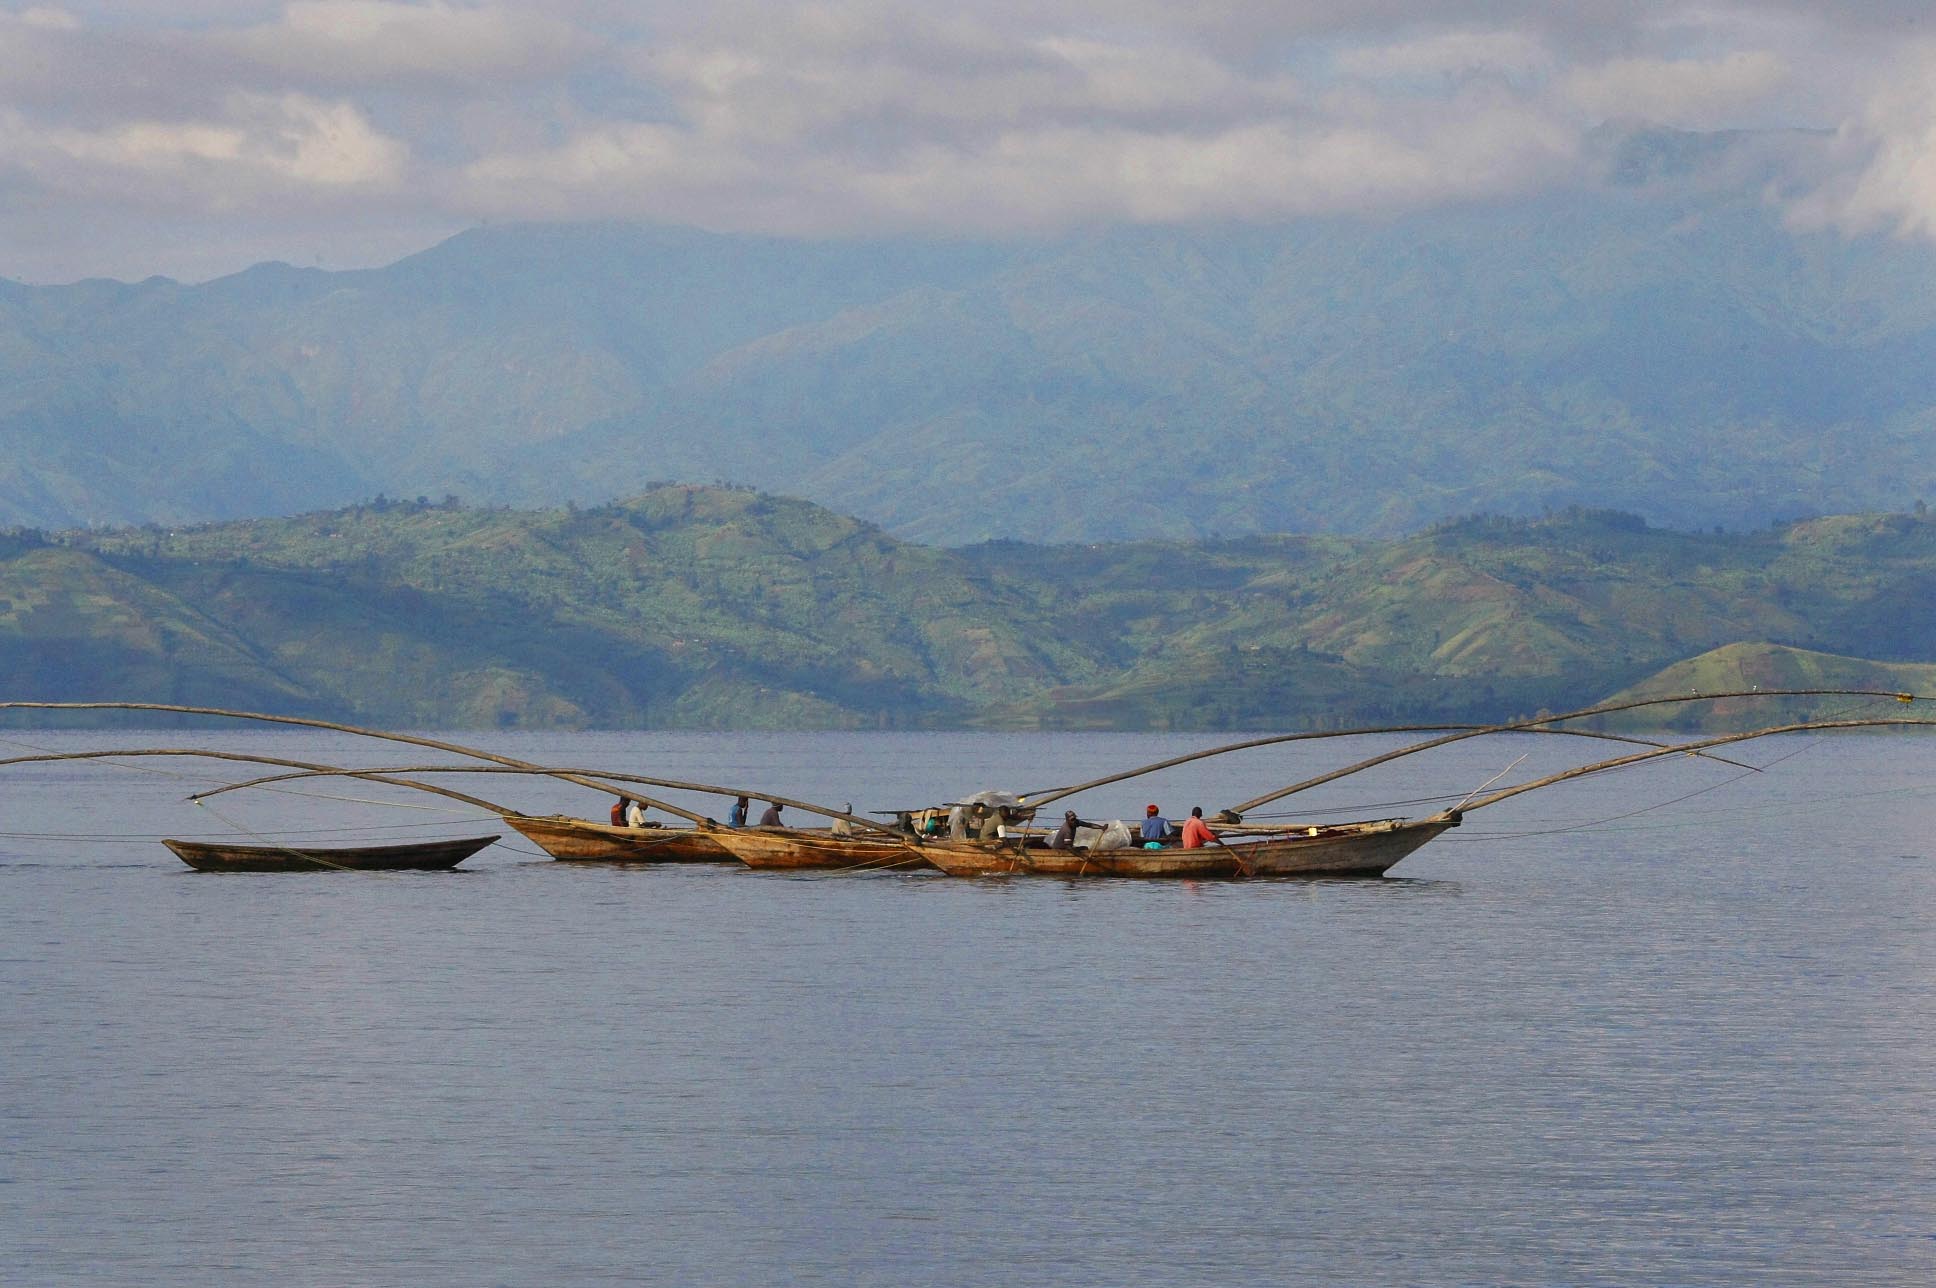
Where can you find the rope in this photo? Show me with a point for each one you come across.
(273, 844)
(1807, 746)
(211, 778)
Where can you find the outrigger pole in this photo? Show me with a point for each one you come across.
(378, 776)
(1621, 762)
(1470, 730)
(436, 745)
(710, 789)
(1236, 812)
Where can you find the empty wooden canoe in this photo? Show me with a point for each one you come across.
(416, 856)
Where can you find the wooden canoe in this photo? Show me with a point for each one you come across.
(1365, 849)
(416, 856)
(577, 838)
(802, 847)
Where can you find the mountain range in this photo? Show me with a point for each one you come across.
(726, 608)
(1661, 342)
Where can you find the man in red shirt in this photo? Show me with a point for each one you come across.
(1196, 832)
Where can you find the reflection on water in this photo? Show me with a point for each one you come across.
(1697, 1051)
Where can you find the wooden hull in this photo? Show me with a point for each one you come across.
(1355, 850)
(415, 857)
(969, 859)
(788, 847)
(577, 838)
(1347, 850)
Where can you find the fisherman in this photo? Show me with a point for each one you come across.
(771, 818)
(841, 826)
(1155, 826)
(618, 811)
(736, 817)
(634, 814)
(1196, 832)
(1065, 836)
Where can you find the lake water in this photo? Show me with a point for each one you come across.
(1669, 1026)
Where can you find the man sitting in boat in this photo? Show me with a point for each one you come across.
(771, 818)
(1155, 826)
(1196, 832)
(634, 814)
(1065, 836)
(618, 811)
(736, 817)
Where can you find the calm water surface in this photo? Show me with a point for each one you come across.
(1690, 1045)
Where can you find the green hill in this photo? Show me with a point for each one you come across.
(726, 608)
(1741, 667)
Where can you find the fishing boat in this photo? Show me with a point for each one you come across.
(581, 839)
(417, 856)
(1362, 849)
(804, 847)
(971, 847)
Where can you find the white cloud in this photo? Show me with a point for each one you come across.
(50, 19)
(847, 115)
(1698, 93)
(1451, 54)
(1258, 171)
(387, 41)
(1889, 176)
(261, 146)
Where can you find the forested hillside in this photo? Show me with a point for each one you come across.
(705, 607)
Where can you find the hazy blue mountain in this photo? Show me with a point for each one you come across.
(1660, 342)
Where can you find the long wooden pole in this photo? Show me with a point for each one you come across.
(1058, 793)
(710, 789)
(309, 768)
(306, 722)
(1581, 771)
(1236, 812)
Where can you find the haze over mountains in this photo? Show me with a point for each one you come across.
(1661, 343)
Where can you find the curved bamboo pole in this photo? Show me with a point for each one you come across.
(1582, 771)
(310, 768)
(454, 748)
(710, 789)
(1058, 793)
(1236, 812)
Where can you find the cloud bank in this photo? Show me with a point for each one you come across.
(194, 136)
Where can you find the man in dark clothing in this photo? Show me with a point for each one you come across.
(772, 816)
(1065, 836)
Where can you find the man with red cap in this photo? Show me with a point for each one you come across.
(1155, 826)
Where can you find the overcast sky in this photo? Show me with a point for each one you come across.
(193, 137)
